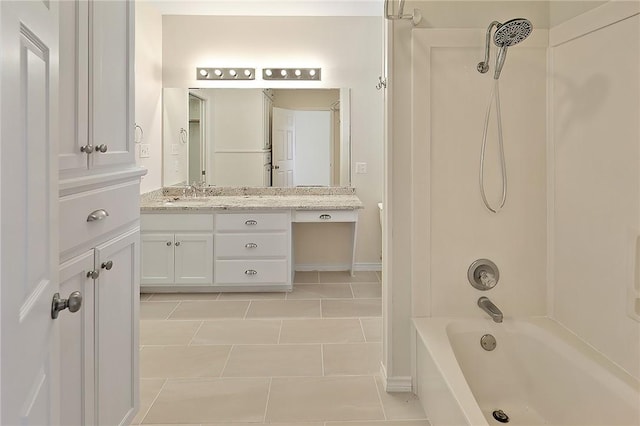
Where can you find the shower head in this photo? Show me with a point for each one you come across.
(512, 32)
(508, 34)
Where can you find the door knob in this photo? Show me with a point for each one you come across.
(73, 303)
(276, 167)
(107, 265)
(87, 149)
(101, 148)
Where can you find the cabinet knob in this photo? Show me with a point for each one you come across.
(73, 303)
(325, 216)
(101, 148)
(87, 149)
(250, 272)
(169, 243)
(251, 222)
(107, 265)
(97, 215)
(93, 275)
(177, 243)
(251, 245)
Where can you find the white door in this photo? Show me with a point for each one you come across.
(117, 301)
(194, 259)
(157, 258)
(76, 337)
(283, 142)
(28, 211)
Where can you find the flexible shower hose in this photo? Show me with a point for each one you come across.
(495, 94)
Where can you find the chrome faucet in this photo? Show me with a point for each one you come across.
(487, 305)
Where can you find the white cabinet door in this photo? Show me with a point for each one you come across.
(111, 81)
(29, 377)
(157, 258)
(76, 337)
(193, 259)
(117, 296)
(284, 135)
(74, 85)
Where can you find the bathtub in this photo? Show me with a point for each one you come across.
(538, 374)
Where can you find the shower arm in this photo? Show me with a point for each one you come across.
(483, 66)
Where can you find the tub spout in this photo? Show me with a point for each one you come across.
(487, 305)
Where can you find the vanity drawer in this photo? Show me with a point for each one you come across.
(176, 222)
(251, 222)
(253, 272)
(106, 209)
(251, 245)
(325, 216)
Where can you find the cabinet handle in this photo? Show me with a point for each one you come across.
(73, 303)
(101, 148)
(169, 243)
(93, 275)
(107, 265)
(97, 215)
(251, 222)
(325, 216)
(250, 272)
(251, 245)
(177, 243)
(87, 149)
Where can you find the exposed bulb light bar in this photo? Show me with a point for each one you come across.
(219, 73)
(291, 74)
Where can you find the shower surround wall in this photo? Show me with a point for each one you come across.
(595, 177)
(567, 242)
(450, 99)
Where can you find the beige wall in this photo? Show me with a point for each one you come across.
(148, 108)
(596, 181)
(350, 55)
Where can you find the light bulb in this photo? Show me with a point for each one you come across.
(268, 72)
(233, 73)
(298, 73)
(204, 72)
(283, 73)
(247, 73)
(218, 72)
(312, 72)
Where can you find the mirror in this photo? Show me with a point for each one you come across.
(256, 137)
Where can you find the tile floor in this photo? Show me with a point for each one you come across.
(310, 357)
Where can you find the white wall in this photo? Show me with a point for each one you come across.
(596, 179)
(148, 108)
(175, 144)
(349, 51)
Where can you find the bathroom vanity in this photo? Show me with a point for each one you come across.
(232, 240)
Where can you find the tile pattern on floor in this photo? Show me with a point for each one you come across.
(308, 358)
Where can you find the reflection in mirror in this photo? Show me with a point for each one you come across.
(256, 137)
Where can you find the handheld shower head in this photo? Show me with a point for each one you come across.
(508, 34)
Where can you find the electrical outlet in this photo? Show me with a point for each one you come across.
(361, 168)
(144, 150)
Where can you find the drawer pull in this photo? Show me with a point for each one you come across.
(251, 245)
(169, 243)
(177, 243)
(251, 222)
(325, 216)
(101, 148)
(107, 265)
(93, 275)
(250, 272)
(97, 215)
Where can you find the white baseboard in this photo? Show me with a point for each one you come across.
(397, 383)
(338, 267)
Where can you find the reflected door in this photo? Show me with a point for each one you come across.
(283, 143)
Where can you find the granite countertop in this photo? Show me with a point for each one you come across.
(171, 200)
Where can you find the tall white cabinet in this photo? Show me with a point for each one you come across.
(99, 186)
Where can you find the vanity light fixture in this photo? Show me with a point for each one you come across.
(291, 74)
(218, 73)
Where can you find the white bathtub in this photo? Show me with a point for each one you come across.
(538, 374)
